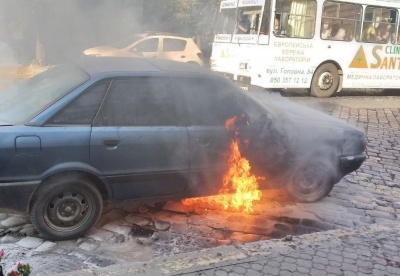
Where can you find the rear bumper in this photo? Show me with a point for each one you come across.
(349, 164)
(15, 196)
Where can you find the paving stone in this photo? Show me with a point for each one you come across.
(100, 235)
(162, 225)
(46, 246)
(117, 228)
(28, 231)
(88, 246)
(141, 221)
(14, 221)
(8, 239)
(30, 242)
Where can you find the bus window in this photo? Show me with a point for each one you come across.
(249, 17)
(379, 25)
(264, 29)
(340, 21)
(295, 18)
(226, 21)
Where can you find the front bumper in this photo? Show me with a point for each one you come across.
(349, 164)
(15, 196)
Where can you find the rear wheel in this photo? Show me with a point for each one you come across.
(312, 181)
(65, 207)
(325, 81)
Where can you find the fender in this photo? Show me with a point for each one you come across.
(80, 167)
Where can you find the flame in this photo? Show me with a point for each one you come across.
(240, 187)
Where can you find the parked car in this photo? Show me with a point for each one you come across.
(152, 45)
(113, 129)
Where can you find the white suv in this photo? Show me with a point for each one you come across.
(152, 45)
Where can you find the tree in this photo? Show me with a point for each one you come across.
(196, 16)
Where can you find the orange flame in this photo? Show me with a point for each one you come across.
(240, 187)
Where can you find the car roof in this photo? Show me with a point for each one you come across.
(101, 65)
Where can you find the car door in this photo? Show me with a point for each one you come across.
(208, 107)
(136, 141)
(174, 49)
(148, 48)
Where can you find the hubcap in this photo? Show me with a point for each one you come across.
(67, 211)
(325, 81)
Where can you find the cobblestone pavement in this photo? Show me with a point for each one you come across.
(140, 233)
(371, 250)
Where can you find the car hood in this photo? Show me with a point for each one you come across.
(304, 116)
(100, 50)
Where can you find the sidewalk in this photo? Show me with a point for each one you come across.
(372, 250)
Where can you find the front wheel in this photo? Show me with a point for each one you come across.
(65, 207)
(325, 81)
(312, 181)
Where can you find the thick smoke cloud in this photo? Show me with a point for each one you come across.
(56, 31)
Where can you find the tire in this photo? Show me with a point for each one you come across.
(325, 81)
(65, 207)
(312, 181)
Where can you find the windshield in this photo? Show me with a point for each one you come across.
(20, 103)
(124, 43)
(226, 21)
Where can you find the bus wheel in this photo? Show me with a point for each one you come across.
(325, 81)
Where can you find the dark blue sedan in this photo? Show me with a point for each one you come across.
(115, 129)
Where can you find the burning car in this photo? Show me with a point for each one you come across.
(115, 129)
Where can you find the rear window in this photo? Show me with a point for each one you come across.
(174, 45)
(20, 103)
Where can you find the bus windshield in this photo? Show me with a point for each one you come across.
(226, 18)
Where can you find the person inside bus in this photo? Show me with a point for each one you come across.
(277, 26)
(243, 24)
(383, 33)
(370, 33)
(326, 30)
(341, 33)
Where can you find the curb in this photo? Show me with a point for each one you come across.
(243, 253)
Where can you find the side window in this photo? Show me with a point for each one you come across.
(149, 45)
(174, 45)
(341, 21)
(295, 18)
(208, 102)
(379, 25)
(141, 101)
(82, 110)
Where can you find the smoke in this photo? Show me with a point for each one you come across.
(56, 31)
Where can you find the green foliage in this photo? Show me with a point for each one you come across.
(197, 15)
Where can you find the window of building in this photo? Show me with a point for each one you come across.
(379, 25)
(341, 21)
(174, 45)
(295, 18)
(139, 102)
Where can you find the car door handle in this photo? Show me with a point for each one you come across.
(111, 143)
(183, 56)
(203, 142)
